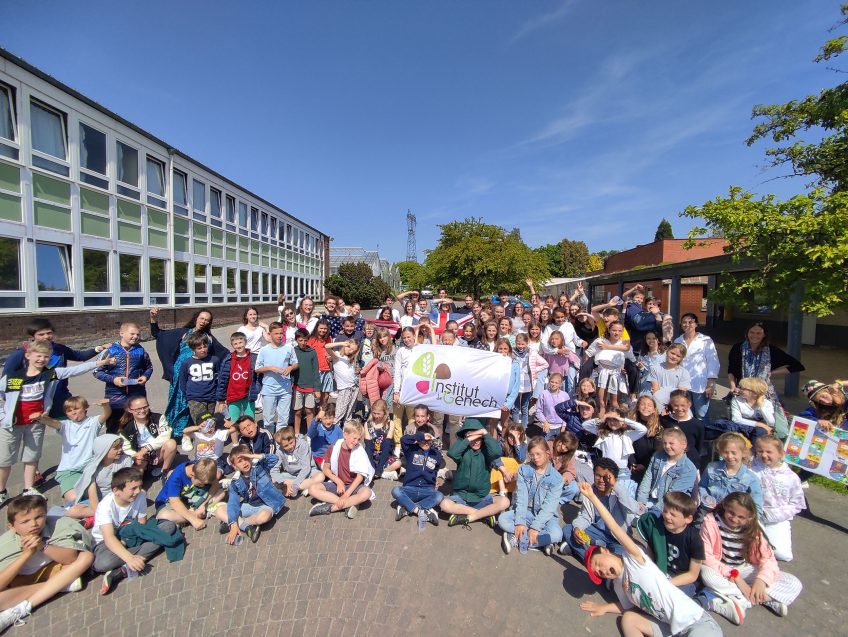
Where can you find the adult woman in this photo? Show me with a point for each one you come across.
(756, 358)
(519, 318)
(701, 362)
(545, 316)
(172, 350)
(408, 319)
(304, 314)
(255, 333)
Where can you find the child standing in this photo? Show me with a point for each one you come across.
(199, 378)
(533, 520)
(238, 382)
(276, 362)
(39, 558)
(319, 337)
(521, 411)
(78, 432)
(616, 434)
(783, 497)
(652, 356)
(24, 396)
(147, 438)
(253, 499)
(670, 375)
(418, 496)
(402, 357)
(307, 381)
(127, 377)
(610, 355)
(546, 408)
(348, 474)
(296, 471)
(674, 542)
(504, 348)
(669, 471)
(344, 374)
(323, 432)
(729, 475)
(739, 568)
(663, 609)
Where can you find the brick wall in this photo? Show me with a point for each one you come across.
(665, 251)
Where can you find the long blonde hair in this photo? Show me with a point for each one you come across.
(756, 385)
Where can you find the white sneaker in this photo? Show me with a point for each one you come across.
(778, 608)
(351, 512)
(186, 445)
(507, 542)
(31, 491)
(727, 608)
(805, 484)
(73, 587)
(389, 475)
(14, 616)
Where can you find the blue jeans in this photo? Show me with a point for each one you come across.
(551, 534)
(597, 537)
(521, 410)
(276, 411)
(248, 510)
(422, 497)
(700, 405)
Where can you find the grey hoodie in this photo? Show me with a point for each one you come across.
(299, 462)
(101, 446)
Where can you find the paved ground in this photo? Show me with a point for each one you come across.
(373, 576)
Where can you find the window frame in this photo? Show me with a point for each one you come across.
(89, 176)
(122, 187)
(158, 201)
(11, 148)
(42, 159)
(182, 207)
(216, 220)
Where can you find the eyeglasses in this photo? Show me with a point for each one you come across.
(603, 478)
(137, 409)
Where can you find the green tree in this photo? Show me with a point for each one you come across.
(596, 262)
(575, 257)
(552, 253)
(802, 241)
(476, 257)
(663, 231)
(413, 275)
(355, 283)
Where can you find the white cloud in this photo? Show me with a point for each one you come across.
(542, 21)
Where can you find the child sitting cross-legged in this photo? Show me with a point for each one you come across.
(673, 541)
(418, 496)
(95, 483)
(188, 491)
(39, 558)
(253, 499)
(663, 609)
(729, 474)
(348, 474)
(669, 470)
(296, 471)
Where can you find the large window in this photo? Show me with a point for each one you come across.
(92, 155)
(180, 193)
(244, 288)
(49, 138)
(157, 277)
(180, 277)
(254, 222)
(95, 265)
(242, 218)
(130, 273)
(199, 280)
(8, 128)
(215, 207)
(126, 158)
(53, 275)
(231, 213)
(156, 183)
(198, 200)
(10, 264)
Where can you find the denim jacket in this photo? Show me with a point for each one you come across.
(536, 501)
(514, 384)
(680, 477)
(717, 483)
(260, 477)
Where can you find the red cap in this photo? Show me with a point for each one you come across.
(590, 551)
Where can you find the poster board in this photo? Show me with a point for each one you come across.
(817, 451)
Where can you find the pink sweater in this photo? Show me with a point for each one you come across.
(766, 565)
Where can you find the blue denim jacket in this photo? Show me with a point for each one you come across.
(680, 477)
(536, 502)
(265, 489)
(514, 384)
(716, 483)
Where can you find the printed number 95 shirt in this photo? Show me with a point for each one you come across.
(198, 378)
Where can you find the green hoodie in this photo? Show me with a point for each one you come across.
(471, 478)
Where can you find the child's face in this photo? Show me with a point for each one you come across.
(277, 336)
(555, 341)
(327, 421)
(130, 335)
(651, 341)
(29, 523)
(114, 453)
(614, 423)
(369, 330)
(130, 491)
(674, 520)
(469, 332)
(769, 454)
(378, 415)
(247, 428)
(421, 417)
(587, 387)
(301, 341)
(520, 344)
(732, 454)
(491, 332)
(201, 351)
(76, 413)
(606, 565)
(554, 383)
(824, 397)
(585, 411)
(288, 445)
(534, 331)
(736, 516)
(349, 348)
(37, 359)
(322, 331)
(646, 408)
(348, 327)
(251, 317)
(44, 335)
(408, 339)
(242, 463)
(503, 348)
(239, 345)
(679, 407)
(538, 456)
(448, 338)
(674, 446)
(673, 356)
(615, 332)
(505, 327)
(352, 439)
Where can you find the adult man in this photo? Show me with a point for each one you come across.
(469, 304)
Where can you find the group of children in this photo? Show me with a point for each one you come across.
(511, 473)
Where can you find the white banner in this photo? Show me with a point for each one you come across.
(459, 381)
(818, 451)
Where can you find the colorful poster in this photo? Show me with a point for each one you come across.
(458, 381)
(818, 451)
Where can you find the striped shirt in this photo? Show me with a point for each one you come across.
(732, 545)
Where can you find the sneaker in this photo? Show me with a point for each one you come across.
(253, 532)
(456, 519)
(4, 495)
(389, 475)
(223, 528)
(322, 508)
(805, 484)
(400, 513)
(507, 542)
(728, 609)
(548, 549)
(14, 616)
(304, 492)
(73, 587)
(491, 521)
(778, 608)
(88, 523)
(564, 549)
(110, 577)
(334, 394)
(31, 491)
(432, 517)
(351, 512)
(225, 483)
(186, 445)
(155, 472)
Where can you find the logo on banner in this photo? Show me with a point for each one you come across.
(436, 382)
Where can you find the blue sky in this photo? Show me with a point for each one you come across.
(579, 119)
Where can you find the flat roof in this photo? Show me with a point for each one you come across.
(11, 57)
(695, 267)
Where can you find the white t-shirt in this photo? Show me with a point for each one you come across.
(77, 441)
(255, 337)
(343, 371)
(108, 512)
(395, 314)
(210, 446)
(647, 588)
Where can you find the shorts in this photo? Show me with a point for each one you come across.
(704, 627)
(248, 510)
(482, 504)
(330, 486)
(304, 399)
(32, 437)
(39, 577)
(285, 476)
(67, 478)
(239, 408)
(199, 407)
(328, 384)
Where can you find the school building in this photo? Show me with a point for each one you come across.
(99, 218)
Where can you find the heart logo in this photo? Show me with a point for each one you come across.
(423, 386)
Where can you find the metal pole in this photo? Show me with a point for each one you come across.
(793, 336)
(674, 301)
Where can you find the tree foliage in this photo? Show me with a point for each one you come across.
(477, 257)
(804, 240)
(356, 283)
(413, 275)
(568, 258)
(664, 231)
(596, 262)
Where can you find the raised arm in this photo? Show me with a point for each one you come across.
(619, 533)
